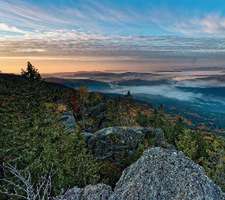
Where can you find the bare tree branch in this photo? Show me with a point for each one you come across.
(23, 186)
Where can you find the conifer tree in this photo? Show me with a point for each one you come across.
(31, 73)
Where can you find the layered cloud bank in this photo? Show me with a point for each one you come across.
(130, 35)
(133, 53)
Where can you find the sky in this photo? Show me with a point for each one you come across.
(130, 35)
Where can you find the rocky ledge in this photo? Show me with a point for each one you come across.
(116, 144)
(160, 174)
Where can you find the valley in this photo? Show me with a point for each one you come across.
(199, 98)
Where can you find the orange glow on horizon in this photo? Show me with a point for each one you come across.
(55, 65)
(74, 64)
(51, 66)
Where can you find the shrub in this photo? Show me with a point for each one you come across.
(34, 139)
(187, 143)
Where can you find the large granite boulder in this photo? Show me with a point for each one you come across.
(119, 143)
(162, 174)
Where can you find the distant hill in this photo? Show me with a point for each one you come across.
(140, 82)
(77, 83)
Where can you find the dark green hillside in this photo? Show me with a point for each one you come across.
(77, 83)
(34, 139)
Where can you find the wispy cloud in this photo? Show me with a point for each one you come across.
(86, 15)
(7, 28)
(108, 18)
(27, 15)
(212, 24)
(29, 50)
(209, 25)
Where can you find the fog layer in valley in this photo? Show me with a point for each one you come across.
(197, 94)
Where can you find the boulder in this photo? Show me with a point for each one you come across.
(162, 174)
(68, 120)
(72, 194)
(90, 192)
(116, 144)
(87, 136)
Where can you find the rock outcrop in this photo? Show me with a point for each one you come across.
(119, 143)
(160, 174)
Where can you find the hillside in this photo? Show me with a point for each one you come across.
(35, 138)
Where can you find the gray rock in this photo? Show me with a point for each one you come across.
(87, 136)
(119, 143)
(72, 194)
(90, 192)
(97, 192)
(162, 174)
(68, 121)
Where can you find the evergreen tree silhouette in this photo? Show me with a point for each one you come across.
(31, 73)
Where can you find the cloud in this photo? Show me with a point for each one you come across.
(86, 15)
(202, 83)
(70, 42)
(29, 50)
(63, 35)
(107, 18)
(7, 28)
(96, 29)
(212, 24)
(167, 91)
(27, 15)
(209, 25)
(133, 51)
